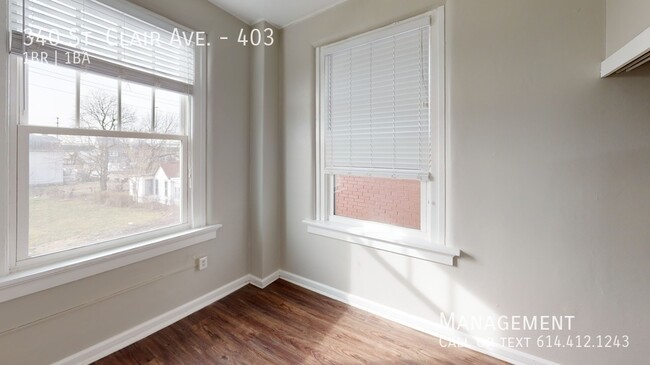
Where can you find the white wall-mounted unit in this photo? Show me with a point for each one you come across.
(632, 55)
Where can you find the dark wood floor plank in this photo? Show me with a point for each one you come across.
(287, 324)
(347, 326)
(293, 327)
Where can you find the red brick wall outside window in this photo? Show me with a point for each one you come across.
(389, 201)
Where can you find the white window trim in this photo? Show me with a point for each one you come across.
(16, 282)
(33, 280)
(22, 258)
(430, 242)
(391, 241)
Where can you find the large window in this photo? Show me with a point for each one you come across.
(109, 147)
(381, 136)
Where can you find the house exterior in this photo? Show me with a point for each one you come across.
(46, 159)
(163, 187)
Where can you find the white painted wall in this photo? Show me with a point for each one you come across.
(165, 196)
(548, 173)
(228, 149)
(625, 20)
(45, 167)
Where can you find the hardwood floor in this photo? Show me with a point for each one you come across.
(286, 324)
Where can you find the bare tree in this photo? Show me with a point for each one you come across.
(99, 110)
(145, 156)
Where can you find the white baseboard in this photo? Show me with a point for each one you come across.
(423, 325)
(147, 328)
(263, 283)
(151, 326)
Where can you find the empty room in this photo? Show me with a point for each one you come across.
(324, 182)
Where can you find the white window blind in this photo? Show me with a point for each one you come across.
(119, 43)
(376, 103)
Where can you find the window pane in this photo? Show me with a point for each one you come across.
(171, 111)
(389, 201)
(137, 103)
(85, 190)
(51, 97)
(98, 104)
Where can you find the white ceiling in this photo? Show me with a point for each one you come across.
(277, 12)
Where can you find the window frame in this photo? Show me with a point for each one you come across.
(428, 243)
(21, 259)
(43, 272)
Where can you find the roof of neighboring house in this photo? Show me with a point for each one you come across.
(171, 169)
(38, 142)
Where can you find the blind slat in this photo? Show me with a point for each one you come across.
(117, 41)
(377, 107)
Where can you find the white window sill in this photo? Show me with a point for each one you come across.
(406, 246)
(30, 281)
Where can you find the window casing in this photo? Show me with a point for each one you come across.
(381, 114)
(150, 79)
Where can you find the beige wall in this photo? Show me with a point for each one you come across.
(228, 149)
(625, 20)
(548, 196)
(548, 173)
(265, 210)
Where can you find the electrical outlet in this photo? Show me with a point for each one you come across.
(202, 263)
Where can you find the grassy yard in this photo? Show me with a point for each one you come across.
(57, 224)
